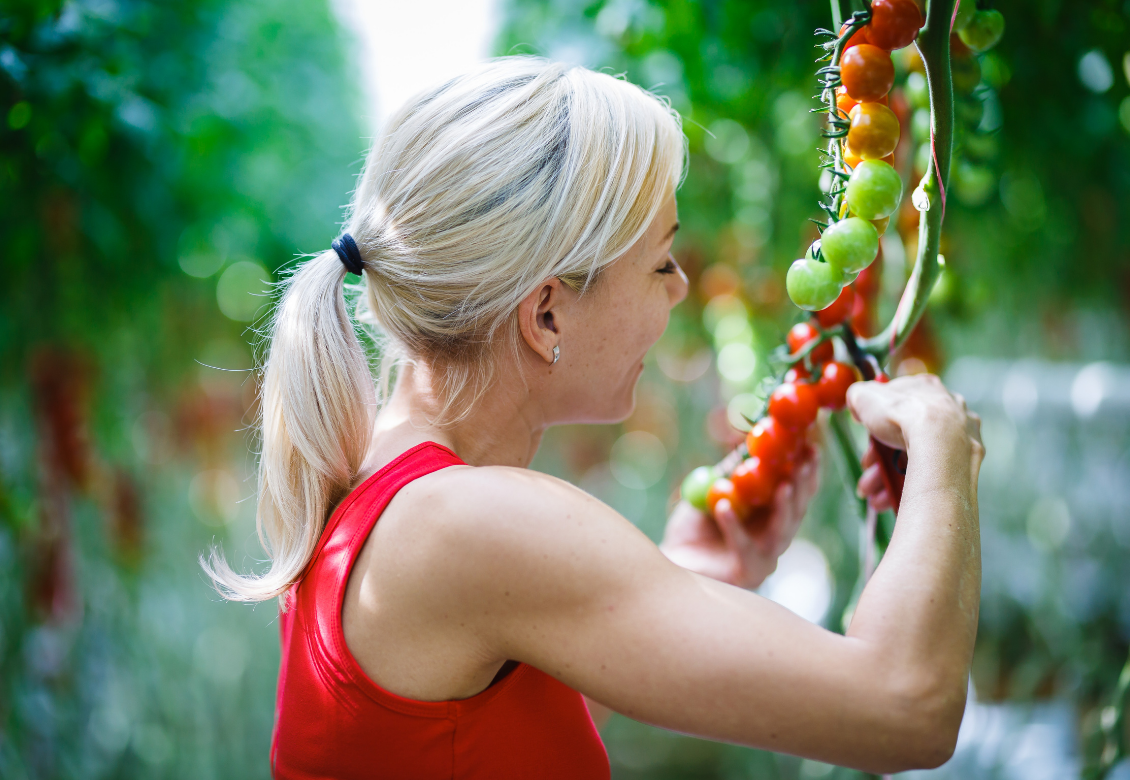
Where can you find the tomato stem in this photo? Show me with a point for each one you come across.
(1113, 723)
(934, 46)
(829, 80)
(853, 468)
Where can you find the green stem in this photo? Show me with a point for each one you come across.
(934, 46)
(1114, 726)
(835, 147)
(838, 422)
(853, 468)
(837, 15)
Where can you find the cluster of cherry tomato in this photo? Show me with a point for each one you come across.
(874, 188)
(821, 282)
(779, 440)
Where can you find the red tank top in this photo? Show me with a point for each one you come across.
(332, 721)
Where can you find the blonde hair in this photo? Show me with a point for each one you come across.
(476, 192)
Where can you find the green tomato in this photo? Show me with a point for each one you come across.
(920, 125)
(874, 190)
(973, 184)
(850, 245)
(917, 90)
(813, 285)
(966, 73)
(696, 485)
(965, 13)
(984, 31)
(813, 248)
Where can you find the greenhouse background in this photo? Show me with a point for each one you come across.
(162, 164)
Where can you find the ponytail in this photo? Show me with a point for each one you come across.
(476, 192)
(316, 418)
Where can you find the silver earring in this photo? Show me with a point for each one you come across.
(556, 354)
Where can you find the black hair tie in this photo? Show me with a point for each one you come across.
(348, 253)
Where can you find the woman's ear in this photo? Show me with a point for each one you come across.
(536, 320)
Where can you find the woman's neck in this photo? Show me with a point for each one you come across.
(503, 427)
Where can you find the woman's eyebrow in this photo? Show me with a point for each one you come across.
(670, 233)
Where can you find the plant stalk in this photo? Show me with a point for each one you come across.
(934, 46)
(1114, 727)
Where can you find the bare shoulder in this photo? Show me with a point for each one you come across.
(483, 533)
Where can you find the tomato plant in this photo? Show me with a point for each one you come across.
(813, 285)
(840, 310)
(983, 31)
(894, 23)
(859, 36)
(874, 190)
(794, 405)
(850, 244)
(697, 484)
(723, 488)
(755, 482)
(802, 334)
(834, 383)
(867, 72)
(771, 441)
(874, 132)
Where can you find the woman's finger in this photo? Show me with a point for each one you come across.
(871, 482)
(808, 480)
(881, 501)
(870, 403)
(733, 533)
(870, 456)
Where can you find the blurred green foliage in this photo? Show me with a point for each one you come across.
(159, 162)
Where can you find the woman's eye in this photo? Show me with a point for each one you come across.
(669, 268)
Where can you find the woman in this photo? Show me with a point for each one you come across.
(512, 229)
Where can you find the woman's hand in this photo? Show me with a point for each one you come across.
(726, 549)
(871, 485)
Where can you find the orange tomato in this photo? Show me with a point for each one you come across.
(874, 132)
(867, 72)
(724, 488)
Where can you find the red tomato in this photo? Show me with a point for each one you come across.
(867, 72)
(839, 311)
(794, 405)
(859, 36)
(804, 332)
(834, 383)
(874, 132)
(894, 23)
(797, 373)
(770, 442)
(882, 378)
(724, 488)
(755, 482)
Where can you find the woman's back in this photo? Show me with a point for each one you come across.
(334, 721)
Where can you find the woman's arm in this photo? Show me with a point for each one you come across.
(535, 570)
